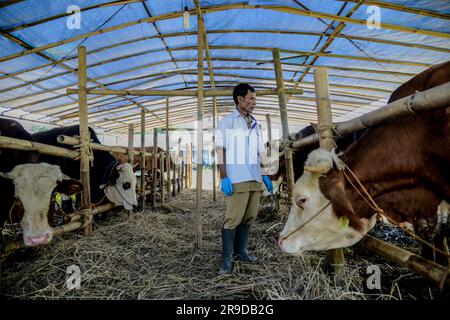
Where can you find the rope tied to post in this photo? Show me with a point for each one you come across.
(86, 146)
(87, 217)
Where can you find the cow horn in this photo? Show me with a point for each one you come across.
(321, 169)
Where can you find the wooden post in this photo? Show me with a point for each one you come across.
(142, 198)
(186, 157)
(284, 118)
(179, 165)
(174, 179)
(191, 155)
(269, 134)
(161, 180)
(130, 143)
(214, 149)
(198, 202)
(335, 256)
(154, 165)
(168, 150)
(84, 142)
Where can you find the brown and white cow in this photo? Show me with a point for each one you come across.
(28, 188)
(404, 165)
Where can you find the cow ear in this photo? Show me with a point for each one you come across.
(333, 187)
(5, 175)
(69, 186)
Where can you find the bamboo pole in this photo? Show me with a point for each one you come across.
(18, 144)
(335, 256)
(168, 151)
(179, 165)
(214, 169)
(74, 224)
(434, 98)
(176, 93)
(97, 146)
(191, 173)
(406, 259)
(142, 160)
(84, 142)
(161, 178)
(187, 148)
(269, 133)
(291, 10)
(130, 143)
(198, 200)
(402, 8)
(284, 118)
(154, 165)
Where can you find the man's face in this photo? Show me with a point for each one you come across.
(247, 103)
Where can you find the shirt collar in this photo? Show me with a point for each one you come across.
(237, 114)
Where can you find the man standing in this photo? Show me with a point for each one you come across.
(239, 148)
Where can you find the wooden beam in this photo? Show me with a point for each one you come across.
(434, 98)
(200, 95)
(84, 142)
(402, 8)
(167, 16)
(335, 256)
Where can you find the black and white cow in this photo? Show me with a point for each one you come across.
(107, 176)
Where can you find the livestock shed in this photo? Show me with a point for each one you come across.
(158, 76)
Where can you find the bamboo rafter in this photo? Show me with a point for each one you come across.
(219, 8)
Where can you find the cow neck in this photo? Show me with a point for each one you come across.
(108, 173)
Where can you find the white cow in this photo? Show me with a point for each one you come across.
(34, 188)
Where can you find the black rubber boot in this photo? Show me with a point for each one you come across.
(227, 250)
(241, 243)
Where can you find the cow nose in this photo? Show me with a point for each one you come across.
(39, 240)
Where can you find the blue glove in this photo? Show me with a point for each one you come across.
(227, 187)
(268, 183)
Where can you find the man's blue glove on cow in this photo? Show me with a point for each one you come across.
(268, 183)
(227, 187)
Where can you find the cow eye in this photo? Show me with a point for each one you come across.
(126, 185)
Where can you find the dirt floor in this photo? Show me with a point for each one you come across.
(151, 255)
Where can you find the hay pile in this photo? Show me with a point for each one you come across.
(151, 256)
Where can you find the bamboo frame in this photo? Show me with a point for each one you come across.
(198, 199)
(168, 150)
(130, 152)
(84, 142)
(335, 256)
(18, 144)
(167, 16)
(398, 7)
(407, 259)
(329, 41)
(154, 165)
(434, 98)
(142, 160)
(97, 146)
(162, 159)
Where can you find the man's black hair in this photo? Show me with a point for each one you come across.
(241, 90)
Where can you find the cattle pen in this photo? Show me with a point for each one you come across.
(126, 68)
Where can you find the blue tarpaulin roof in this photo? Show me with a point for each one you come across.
(144, 45)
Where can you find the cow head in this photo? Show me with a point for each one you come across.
(35, 186)
(322, 216)
(121, 186)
